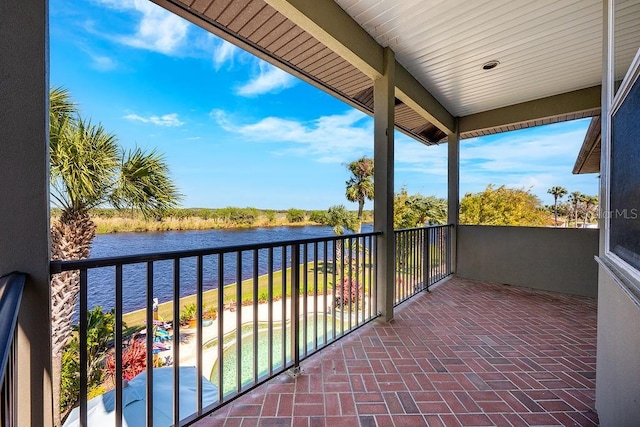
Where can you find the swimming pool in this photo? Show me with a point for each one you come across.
(229, 356)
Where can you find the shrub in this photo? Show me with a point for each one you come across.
(99, 335)
(237, 216)
(134, 361)
(263, 297)
(69, 378)
(188, 313)
(270, 215)
(210, 313)
(296, 215)
(348, 291)
(320, 217)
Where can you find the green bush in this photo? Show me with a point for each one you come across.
(296, 215)
(237, 216)
(320, 217)
(70, 377)
(270, 215)
(100, 333)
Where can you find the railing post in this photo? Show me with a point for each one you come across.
(83, 321)
(451, 247)
(295, 310)
(425, 259)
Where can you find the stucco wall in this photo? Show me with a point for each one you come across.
(618, 360)
(24, 194)
(553, 259)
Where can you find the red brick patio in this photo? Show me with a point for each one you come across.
(466, 354)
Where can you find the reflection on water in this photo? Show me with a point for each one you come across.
(101, 281)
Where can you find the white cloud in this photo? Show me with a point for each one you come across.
(158, 29)
(168, 120)
(335, 139)
(534, 159)
(419, 156)
(103, 63)
(269, 80)
(516, 153)
(223, 52)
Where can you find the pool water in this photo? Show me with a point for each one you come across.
(248, 351)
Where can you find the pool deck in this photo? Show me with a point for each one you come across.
(466, 354)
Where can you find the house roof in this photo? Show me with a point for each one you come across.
(550, 54)
(588, 160)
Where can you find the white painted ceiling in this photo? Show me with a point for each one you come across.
(545, 47)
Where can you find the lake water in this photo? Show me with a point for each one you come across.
(101, 281)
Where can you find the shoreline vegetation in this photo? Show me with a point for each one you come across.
(181, 219)
(136, 319)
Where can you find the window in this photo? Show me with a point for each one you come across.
(624, 202)
(621, 144)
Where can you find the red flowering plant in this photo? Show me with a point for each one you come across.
(348, 291)
(134, 361)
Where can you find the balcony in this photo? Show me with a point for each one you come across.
(467, 353)
(458, 351)
(512, 355)
(276, 303)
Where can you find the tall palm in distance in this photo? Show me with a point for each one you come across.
(360, 185)
(89, 169)
(339, 218)
(558, 193)
(575, 198)
(591, 203)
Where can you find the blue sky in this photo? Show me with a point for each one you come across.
(238, 132)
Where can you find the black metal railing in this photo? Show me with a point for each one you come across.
(423, 257)
(11, 288)
(274, 305)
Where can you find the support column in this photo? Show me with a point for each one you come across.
(24, 194)
(453, 212)
(384, 110)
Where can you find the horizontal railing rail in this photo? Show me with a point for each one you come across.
(423, 257)
(274, 305)
(11, 289)
(58, 266)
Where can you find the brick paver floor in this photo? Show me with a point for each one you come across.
(466, 354)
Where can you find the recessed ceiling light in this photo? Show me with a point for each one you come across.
(490, 65)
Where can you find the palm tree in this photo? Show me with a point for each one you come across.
(89, 169)
(575, 198)
(340, 218)
(558, 193)
(591, 204)
(360, 185)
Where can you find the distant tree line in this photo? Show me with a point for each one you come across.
(578, 207)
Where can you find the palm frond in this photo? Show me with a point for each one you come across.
(60, 104)
(144, 184)
(360, 184)
(84, 161)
